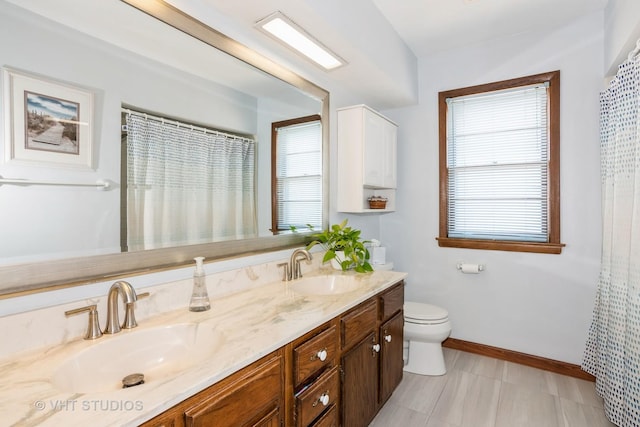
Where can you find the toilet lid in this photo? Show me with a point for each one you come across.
(420, 311)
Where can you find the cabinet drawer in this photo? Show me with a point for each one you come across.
(358, 323)
(319, 396)
(250, 399)
(392, 301)
(329, 418)
(314, 354)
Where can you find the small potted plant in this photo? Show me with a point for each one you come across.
(343, 247)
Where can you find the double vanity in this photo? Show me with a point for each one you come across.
(322, 350)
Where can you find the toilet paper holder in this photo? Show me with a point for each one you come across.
(470, 268)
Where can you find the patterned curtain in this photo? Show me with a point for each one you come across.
(613, 348)
(187, 185)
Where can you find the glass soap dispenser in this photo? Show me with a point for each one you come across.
(199, 296)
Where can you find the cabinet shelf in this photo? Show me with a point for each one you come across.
(367, 210)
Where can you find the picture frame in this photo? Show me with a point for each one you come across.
(47, 122)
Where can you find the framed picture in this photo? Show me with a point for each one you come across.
(47, 121)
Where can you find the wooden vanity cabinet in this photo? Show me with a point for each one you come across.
(315, 377)
(338, 374)
(253, 396)
(391, 362)
(391, 333)
(371, 362)
(359, 364)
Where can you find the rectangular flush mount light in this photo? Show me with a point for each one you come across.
(286, 31)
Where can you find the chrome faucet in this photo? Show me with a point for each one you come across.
(295, 271)
(129, 296)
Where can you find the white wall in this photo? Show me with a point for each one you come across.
(532, 303)
(622, 31)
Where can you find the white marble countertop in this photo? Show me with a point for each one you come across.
(253, 322)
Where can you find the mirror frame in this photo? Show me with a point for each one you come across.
(42, 276)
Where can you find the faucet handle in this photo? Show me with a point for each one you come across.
(286, 274)
(129, 315)
(93, 328)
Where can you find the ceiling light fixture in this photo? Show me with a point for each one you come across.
(284, 30)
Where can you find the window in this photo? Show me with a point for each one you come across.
(499, 165)
(296, 183)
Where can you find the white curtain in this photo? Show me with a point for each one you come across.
(613, 347)
(186, 184)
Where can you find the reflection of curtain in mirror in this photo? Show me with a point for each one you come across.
(186, 184)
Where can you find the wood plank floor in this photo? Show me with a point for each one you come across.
(480, 391)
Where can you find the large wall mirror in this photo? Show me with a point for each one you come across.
(100, 60)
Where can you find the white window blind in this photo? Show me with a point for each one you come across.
(299, 176)
(497, 165)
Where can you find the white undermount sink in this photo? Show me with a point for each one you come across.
(156, 353)
(325, 285)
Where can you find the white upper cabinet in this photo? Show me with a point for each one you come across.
(379, 150)
(367, 145)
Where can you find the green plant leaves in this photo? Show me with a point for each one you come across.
(339, 237)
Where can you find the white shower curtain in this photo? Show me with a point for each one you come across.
(187, 185)
(613, 347)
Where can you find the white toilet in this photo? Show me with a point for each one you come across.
(425, 327)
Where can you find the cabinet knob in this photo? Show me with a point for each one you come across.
(387, 338)
(324, 399)
(376, 348)
(322, 355)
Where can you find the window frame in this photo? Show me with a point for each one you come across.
(553, 245)
(274, 159)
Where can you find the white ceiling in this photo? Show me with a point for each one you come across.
(382, 40)
(428, 26)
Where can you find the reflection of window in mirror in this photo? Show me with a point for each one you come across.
(186, 184)
(296, 174)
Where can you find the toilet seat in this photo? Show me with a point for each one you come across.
(424, 314)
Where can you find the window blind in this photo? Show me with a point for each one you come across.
(498, 165)
(299, 176)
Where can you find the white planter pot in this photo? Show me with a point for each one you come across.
(335, 262)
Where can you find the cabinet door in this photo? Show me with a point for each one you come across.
(390, 136)
(254, 399)
(165, 420)
(360, 383)
(380, 138)
(272, 419)
(391, 363)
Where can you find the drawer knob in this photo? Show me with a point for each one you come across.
(324, 399)
(322, 355)
(387, 338)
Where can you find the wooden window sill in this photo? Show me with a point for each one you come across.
(501, 245)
